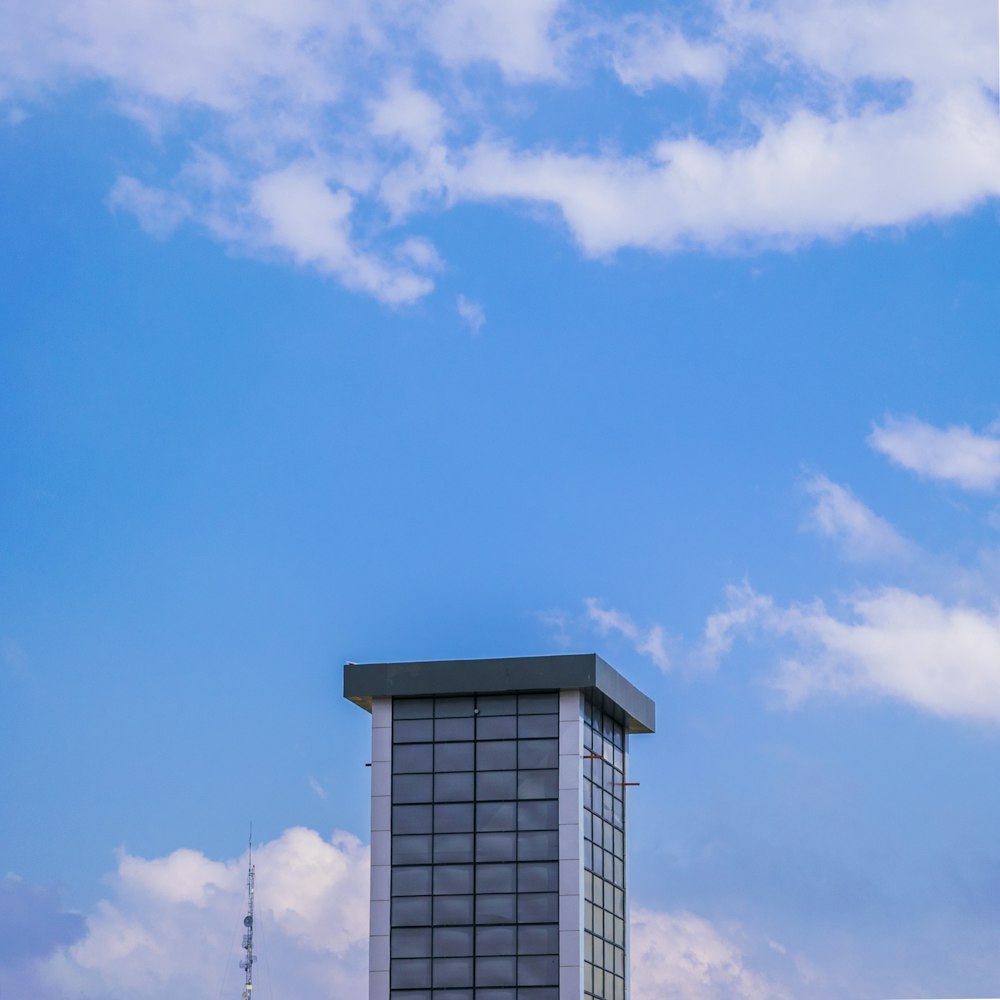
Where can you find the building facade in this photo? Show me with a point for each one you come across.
(499, 794)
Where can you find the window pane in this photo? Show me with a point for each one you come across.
(496, 756)
(538, 939)
(539, 993)
(493, 816)
(466, 994)
(538, 725)
(495, 908)
(542, 815)
(495, 971)
(452, 879)
(453, 909)
(496, 846)
(418, 757)
(539, 845)
(453, 787)
(411, 942)
(411, 881)
(495, 940)
(499, 727)
(496, 785)
(455, 729)
(538, 970)
(537, 907)
(454, 756)
(411, 995)
(497, 993)
(452, 971)
(495, 878)
(453, 707)
(451, 941)
(455, 817)
(538, 877)
(413, 731)
(411, 911)
(411, 819)
(536, 704)
(537, 753)
(412, 708)
(411, 788)
(497, 704)
(410, 972)
(412, 849)
(453, 847)
(538, 784)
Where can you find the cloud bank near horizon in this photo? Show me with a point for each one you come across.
(329, 137)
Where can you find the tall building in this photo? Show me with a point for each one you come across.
(499, 804)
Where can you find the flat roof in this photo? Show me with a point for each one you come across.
(422, 678)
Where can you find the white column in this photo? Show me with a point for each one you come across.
(378, 941)
(570, 845)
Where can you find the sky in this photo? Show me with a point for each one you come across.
(399, 330)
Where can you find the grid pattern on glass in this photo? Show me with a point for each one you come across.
(604, 853)
(475, 873)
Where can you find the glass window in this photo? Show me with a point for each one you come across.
(411, 942)
(498, 727)
(413, 849)
(588, 947)
(538, 784)
(497, 993)
(410, 972)
(538, 939)
(537, 907)
(495, 878)
(496, 785)
(619, 988)
(495, 908)
(538, 845)
(538, 877)
(411, 881)
(494, 816)
(452, 879)
(411, 911)
(455, 729)
(411, 788)
(538, 970)
(454, 817)
(452, 971)
(466, 994)
(413, 731)
(415, 758)
(450, 708)
(496, 846)
(452, 848)
(411, 995)
(454, 756)
(411, 819)
(536, 704)
(497, 940)
(412, 708)
(498, 970)
(538, 993)
(588, 977)
(452, 941)
(529, 726)
(540, 815)
(499, 755)
(497, 704)
(453, 909)
(537, 753)
(453, 787)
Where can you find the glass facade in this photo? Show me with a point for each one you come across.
(604, 742)
(474, 898)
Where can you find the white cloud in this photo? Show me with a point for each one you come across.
(837, 513)
(648, 51)
(158, 212)
(472, 313)
(169, 927)
(954, 454)
(891, 642)
(651, 642)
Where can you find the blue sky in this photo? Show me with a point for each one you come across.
(406, 330)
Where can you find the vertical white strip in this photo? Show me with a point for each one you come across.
(378, 941)
(570, 845)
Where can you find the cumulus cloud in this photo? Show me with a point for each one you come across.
(650, 642)
(647, 51)
(954, 454)
(169, 926)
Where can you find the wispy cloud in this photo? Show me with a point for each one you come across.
(650, 642)
(954, 454)
(471, 312)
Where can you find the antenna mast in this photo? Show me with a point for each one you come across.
(247, 962)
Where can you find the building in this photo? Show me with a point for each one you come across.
(499, 803)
